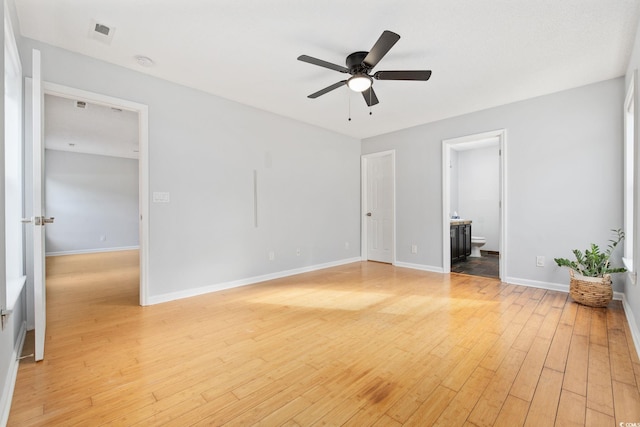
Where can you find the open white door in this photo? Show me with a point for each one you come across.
(38, 220)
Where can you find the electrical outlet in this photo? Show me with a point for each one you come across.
(346, 245)
(103, 238)
(414, 249)
(540, 261)
(298, 252)
(272, 255)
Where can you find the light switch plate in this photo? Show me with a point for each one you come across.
(161, 197)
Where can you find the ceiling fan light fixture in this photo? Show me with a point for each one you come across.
(359, 82)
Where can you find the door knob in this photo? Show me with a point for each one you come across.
(368, 213)
(48, 220)
(26, 220)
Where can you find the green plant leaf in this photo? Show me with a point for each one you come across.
(593, 262)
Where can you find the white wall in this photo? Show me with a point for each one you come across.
(479, 193)
(91, 197)
(203, 151)
(564, 178)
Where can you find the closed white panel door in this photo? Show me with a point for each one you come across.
(39, 294)
(379, 214)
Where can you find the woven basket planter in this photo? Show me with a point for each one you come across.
(591, 291)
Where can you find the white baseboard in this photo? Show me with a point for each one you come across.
(92, 251)
(633, 325)
(12, 373)
(421, 267)
(187, 293)
(559, 287)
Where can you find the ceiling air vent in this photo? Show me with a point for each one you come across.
(101, 32)
(102, 29)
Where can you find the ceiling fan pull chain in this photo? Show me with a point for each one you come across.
(370, 99)
(349, 95)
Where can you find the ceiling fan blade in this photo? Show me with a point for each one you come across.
(370, 97)
(321, 63)
(422, 75)
(380, 49)
(327, 89)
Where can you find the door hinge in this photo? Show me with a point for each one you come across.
(4, 314)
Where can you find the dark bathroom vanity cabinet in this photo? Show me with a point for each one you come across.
(460, 240)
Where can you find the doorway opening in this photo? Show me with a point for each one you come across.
(136, 147)
(378, 207)
(91, 186)
(474, 204)
(138, 150)
(34, 188)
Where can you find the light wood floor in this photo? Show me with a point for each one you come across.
(362, 344)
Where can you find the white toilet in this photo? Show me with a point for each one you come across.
(476, 243)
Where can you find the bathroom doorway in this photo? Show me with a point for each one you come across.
(474, 199)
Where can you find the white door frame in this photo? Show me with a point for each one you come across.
(363, 206)
(447, 146)
(143, 164)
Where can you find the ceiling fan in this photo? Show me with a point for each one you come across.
(360, 64)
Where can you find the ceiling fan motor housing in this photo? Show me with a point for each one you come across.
(355, 64)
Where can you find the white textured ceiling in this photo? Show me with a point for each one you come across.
(482, 53)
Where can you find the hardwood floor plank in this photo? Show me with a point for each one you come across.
(582, 325)
(542, 411)
(599, 390)
(559, 350)
(155, 413)
(598, 329)
(513, 412)
(284, 413)
(488, 407)
(502, 347)
(463, 370)
(550, 323)
(358, 344)
(384, 421)
(527, 310)
(626, 400)
(633, 352)
(528, 333)
(598, 419)
(571, 410)
(569, 313)
(462, 404)
(429, 411)
(621, 365)
(577, 367)
(525, 383)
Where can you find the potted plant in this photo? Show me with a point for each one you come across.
(591, 273)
